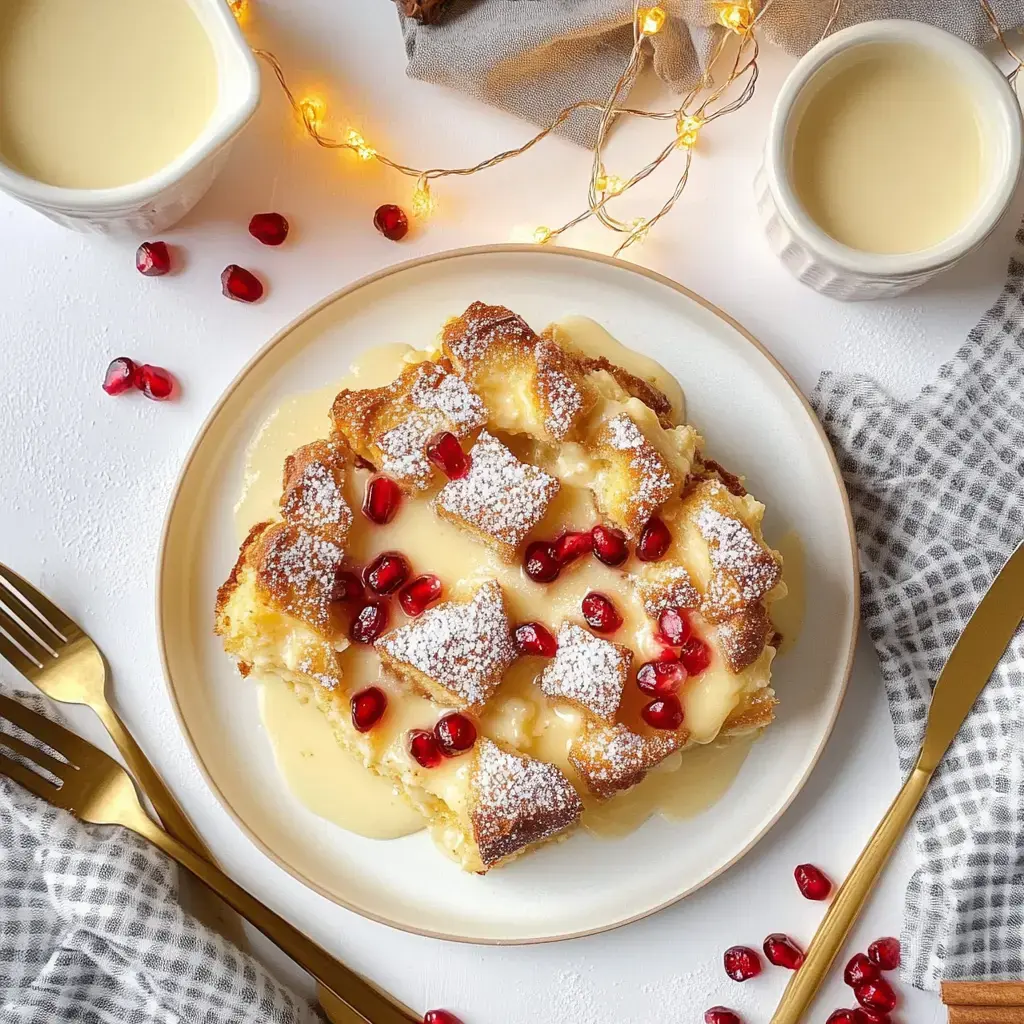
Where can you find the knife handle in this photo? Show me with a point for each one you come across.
(849, 901)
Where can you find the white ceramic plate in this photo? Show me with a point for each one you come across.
(754, 420)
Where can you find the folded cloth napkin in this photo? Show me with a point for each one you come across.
(91, 930)
(937, 489)
(535, 57)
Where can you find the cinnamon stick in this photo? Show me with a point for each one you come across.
(983, 993)
(986, 1014)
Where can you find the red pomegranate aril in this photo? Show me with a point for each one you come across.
(416, 596)
(120, 376)
(240, 284)
(664, 713)
(440, 1017)
(842, 1017)
(381, 499)
(674, 626)
(269, 228)
(609, 545)
(600, 614)
(347, 587)
(391, 221)
(859, 970)
(782, 951)
(369, 623)
(876, 995)
(445, 452)
(721, 1015)
(386, 573)
(741, 963)
(885, 952)
(539, 562)
(695, 656)
(661, 678)
(864, 1016)
(368, 707)
(654, 541)
(812, 882)
(533, 638)
(154, 382)
(455, 734)
(424, 748)
(571, 546)
(153, 259)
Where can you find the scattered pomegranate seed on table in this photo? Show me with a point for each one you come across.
(445, 452)
(120, 376)
(391, 221)
(386, 573)
(782, 951)
(347, 587)
(695, 656)
(415, 597)
(654, 541)
(721, 1015)
(533, 638)
(864, 1016)
(812, 882)
(152, 259)
(381, 499)
(741, 963)
(842, 1017)
(664, 713)
(455, 734)
(539, 562)
(876, 995)
(609, 545)
(600, 614)
(440, 1017)
(154, 382)
(885, 952)
(674, 627)
(268, 228)
(571, 546)
(660, 678)
(424, 748)
(859, 970)
(368, 707)
(240, 284)
(371, 621)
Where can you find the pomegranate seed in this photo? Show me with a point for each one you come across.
(533, 638)
(570, 546)
(812, 882)
(381, 499)
(445, 452)
(154, 382)
(742, 963)
(386, 573)
(864, 1016)
(664, 713)
(876, 995)
(424, 748)
(885, 952)
(414, 597)
(368, 707)
(120, 376)
(269, 228)
(661, 678)
(440, 1017)
(654, 541)
(455, 733)
(391, 221)
(153, 259)
(347, 587)
(674, 626)
(240, 284)
(540, 563)
(782, 951)
(721, 1015)
(695, 656)
(371, 621)
(609, 544)
(600, 613)
(842, 1017)
(859, 970)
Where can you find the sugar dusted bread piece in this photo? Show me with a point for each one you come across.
(662, 585)
(456, 653)
(612, 758)
(391, 426)
(499, 500)
(587, 671)
(313, 498)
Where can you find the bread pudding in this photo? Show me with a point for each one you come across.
(513, 584)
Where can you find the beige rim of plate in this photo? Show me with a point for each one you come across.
(162, 569)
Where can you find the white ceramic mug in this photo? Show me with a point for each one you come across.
(834, 269)
(154, 203)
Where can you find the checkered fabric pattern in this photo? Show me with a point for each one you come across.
(91, 930)
(937, 489)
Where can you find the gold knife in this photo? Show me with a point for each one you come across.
(962, 678)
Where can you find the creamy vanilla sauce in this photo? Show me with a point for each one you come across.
(887, 156)
(100, 93)
(521, 716)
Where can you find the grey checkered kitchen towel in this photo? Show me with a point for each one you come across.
(91, 931)
(937, 488)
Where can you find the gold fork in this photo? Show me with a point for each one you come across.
(95, 788)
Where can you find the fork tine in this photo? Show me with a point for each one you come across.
(12, 603)
(59, 623)
(30, 780)
(65, 742)
(34, 754)
(21, 661)
(23, 638)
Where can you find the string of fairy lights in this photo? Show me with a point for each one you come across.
(725, 86)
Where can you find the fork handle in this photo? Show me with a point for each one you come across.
(369, 1004)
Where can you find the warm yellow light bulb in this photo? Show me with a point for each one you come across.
(687, 130)
(610, 183)
(238, 7)
(640, 228)
(737, 17)
(422, 203)
(542, 235)
(650, 19)
(358, 143)
(312, 109)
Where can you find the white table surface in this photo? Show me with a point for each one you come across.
(85, 477)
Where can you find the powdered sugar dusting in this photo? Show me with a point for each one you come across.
(469, 336)
(587, 670)
(734, 550)
(451, 396)
(560, 395)
(653, 480)
(298, 570)
(615, 758)
(403, 447)
(315, 500)
(666, 587)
